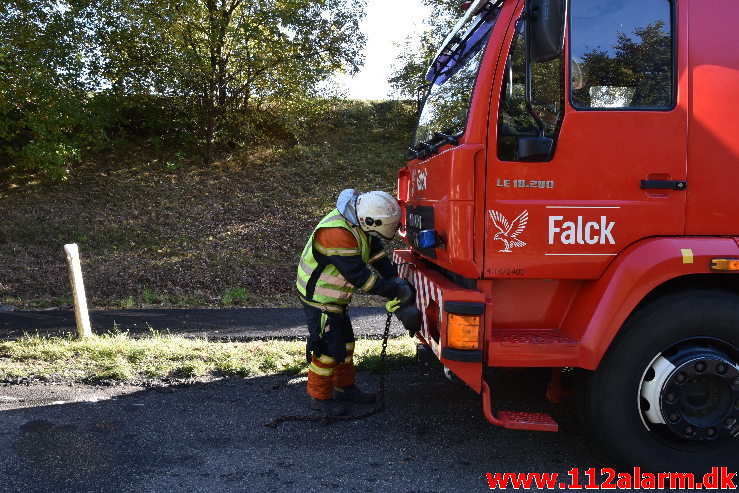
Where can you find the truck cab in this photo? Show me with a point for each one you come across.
(570, 202)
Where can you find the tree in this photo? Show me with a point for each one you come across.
(72, 70)
(411, 66)
(226, 58)
(44, 124)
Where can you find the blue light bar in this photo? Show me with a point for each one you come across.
(427, 238)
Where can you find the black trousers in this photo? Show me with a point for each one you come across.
(328, 333)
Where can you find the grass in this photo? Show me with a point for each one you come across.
(149, 298)
(163, 230)
(120, 358)
(234, 296)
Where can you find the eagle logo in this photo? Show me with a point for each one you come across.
(508, 233)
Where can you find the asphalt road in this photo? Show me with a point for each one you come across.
(210, 437)
(228, 323)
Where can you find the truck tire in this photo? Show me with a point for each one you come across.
(665, 397)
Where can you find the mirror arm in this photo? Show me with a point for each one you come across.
(529, 89)
(421, 93)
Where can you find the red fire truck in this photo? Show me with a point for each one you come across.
(571, 201)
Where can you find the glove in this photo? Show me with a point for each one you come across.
(410, 317)
(392, 305)
(404, 306)
(404, 290)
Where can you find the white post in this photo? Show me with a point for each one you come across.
(78, 290)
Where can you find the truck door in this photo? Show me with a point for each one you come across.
(614, 105)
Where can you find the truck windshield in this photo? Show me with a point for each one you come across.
(451, 78)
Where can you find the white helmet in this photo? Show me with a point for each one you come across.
(378, 213)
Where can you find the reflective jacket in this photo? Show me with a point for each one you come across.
(328, 277)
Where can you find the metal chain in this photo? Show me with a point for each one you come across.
(380, 407)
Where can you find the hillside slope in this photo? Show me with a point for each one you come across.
(165, 231)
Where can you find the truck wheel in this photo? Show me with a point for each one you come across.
(666, 395)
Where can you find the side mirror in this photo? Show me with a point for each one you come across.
(535, 148)
(547, 24)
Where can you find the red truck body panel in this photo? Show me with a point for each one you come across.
(713, 147)
(592, 244)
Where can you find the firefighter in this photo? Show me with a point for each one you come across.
(335, 263)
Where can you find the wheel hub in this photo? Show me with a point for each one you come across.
(693, 392)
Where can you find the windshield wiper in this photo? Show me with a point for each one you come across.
(446, 138)
(424, 149)
(414, 154)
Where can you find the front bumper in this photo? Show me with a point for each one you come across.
(435, 297)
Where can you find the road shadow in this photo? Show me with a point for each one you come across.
(210, 437)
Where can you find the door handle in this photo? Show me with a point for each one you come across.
(664, 185)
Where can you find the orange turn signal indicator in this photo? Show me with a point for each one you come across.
(463, 331)
(725, 264)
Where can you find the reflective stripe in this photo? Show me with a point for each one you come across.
(325, 307)
(301, 282)
(324, 366)
(338, 280)
(370, 282)
(349, 358)
(344, 252)
(326, 372)
(355, 232)
(378, 256)
(335, 280)
(330, 219)
(325, 358)
(307, 270)
(340, 291)
(347, 288)
(341, 252)
(324, 322)
(333, 293)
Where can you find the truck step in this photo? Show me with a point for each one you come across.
(536, 347)
(515, 420)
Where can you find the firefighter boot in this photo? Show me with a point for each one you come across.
(328, 407)
(354, 394)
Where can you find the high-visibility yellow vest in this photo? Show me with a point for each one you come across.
(323, 284)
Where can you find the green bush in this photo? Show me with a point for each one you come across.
(234, 296)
